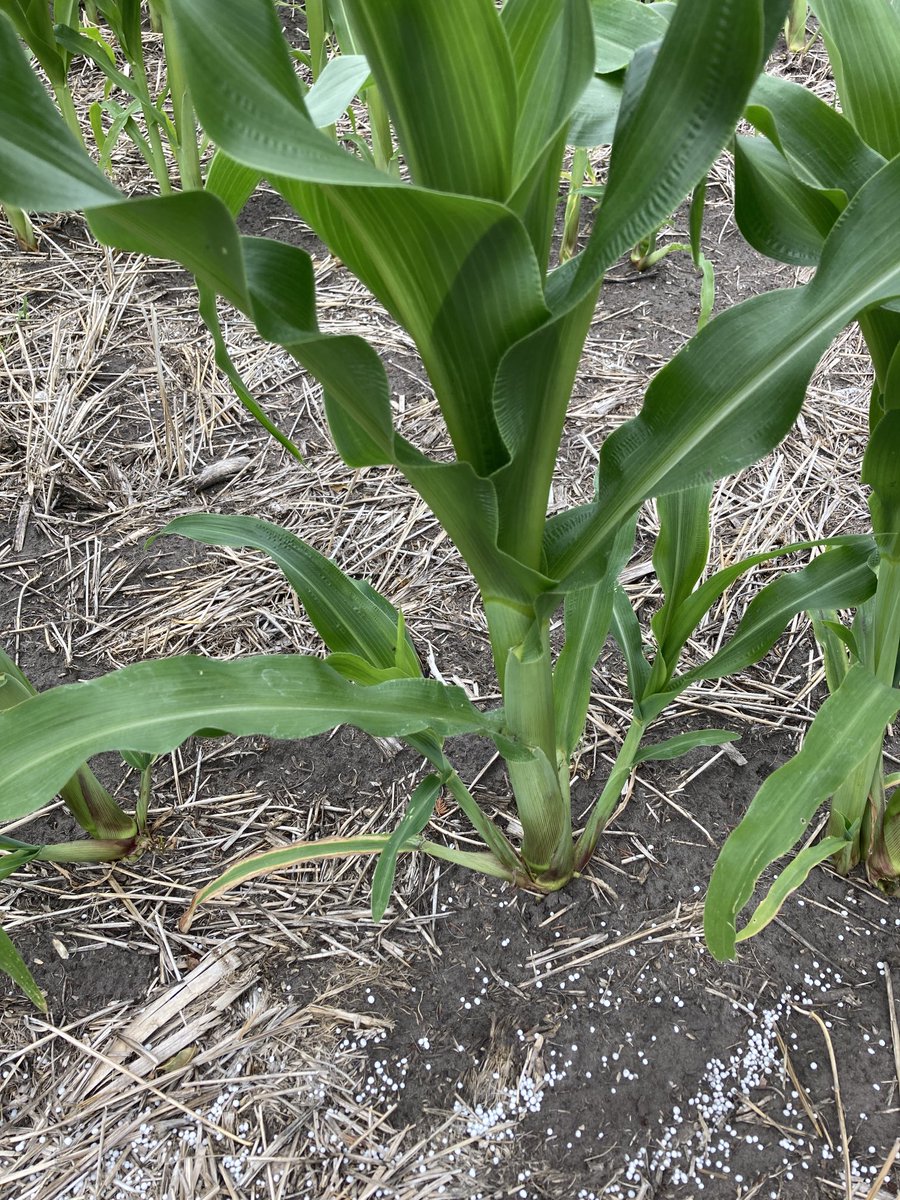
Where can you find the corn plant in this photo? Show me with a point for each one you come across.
(459, 254)
(796, 183)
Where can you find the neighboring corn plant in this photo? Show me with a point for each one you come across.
(797, 184)
(460, 257)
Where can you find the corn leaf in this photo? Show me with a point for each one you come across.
(588, 615)
(779, 215)
(679, 107)
(343, 78)
(42, 165)
(447, 76)
(821, 145)
(735, 390)
(155, 706)
(626, 630)
(282, 859)
(13, 965)
(684, 743)
(681, 550)
(350, 617)
(417, 815)
(863, 38)
(541, 38)
(846, 729)
(595, 115)
(839, 578)
(620, 28)
(787, 881)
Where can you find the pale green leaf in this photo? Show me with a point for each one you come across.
(343, 78)
(846, 729)
(350, 618)
(787, 882)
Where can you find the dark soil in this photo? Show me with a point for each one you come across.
(655, 1064)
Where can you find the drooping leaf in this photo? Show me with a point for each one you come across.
(779, 215)
(684, 743)
(839, 578)
(620, 28)
(13, 965)
(819, 143)
(787, 881)
(349, 617)
(846, 729)
(679, 107)
(735, 390)
(42, 165)
(155, 706)
(626, 630)
(282, 859)
(417, 815)
(595, 115)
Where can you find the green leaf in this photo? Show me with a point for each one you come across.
(863, 39)
(846, 729)
(42, 165)
(349, 617)
(595, 115)
(552, 58)
(155, 706)
(282, 859)
(736, 388)
(821, 145)
(343, 78)
(681, 551)
(881, 471)
(787, 882)
(626, 630)
(679, 107)
(684, 743)
(416, 817)
(31, 20)
(13, 965)
(446, 74)
(620, 28)
(531, 397)
(588, 617)
(98, 54)
(231, 181)
(779, 215)
(839, 578)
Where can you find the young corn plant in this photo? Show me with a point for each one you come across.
(459, 254)
(797, 183)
